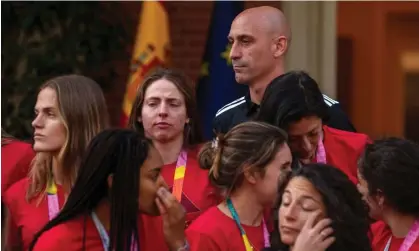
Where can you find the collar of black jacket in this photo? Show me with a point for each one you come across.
(252, 108)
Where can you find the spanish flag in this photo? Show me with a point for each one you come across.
(151, 50)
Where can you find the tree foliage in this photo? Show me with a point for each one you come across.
(41, 40)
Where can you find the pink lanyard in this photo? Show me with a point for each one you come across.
(321, 152)
(179, 175)
(408, 240)
(266, 235)
(53, 206)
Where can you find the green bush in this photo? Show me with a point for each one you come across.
(41, 40)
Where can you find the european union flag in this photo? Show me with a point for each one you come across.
(217, 85)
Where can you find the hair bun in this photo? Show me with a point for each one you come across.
(206, 155)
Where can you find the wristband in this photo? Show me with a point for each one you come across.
(184, 248)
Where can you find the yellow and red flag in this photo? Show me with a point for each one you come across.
(151, 49)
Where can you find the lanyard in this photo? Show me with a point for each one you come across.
(321, 151)
(53, 206)
(104, 235)
(243, 233)
(408, 240)
(102, 232)
(179, 175)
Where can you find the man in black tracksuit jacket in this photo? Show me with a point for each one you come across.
(259, 39)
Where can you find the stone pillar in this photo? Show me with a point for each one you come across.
(313, 45)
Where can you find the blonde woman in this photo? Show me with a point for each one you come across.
(70, 110)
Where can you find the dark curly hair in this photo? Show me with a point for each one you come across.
(391, 165)
(343, 203)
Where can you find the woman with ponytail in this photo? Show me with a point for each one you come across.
(247, 165)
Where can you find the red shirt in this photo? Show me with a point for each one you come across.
(382, 233)
(68, 236)
(26, 218)
(343, 150)
(198, 195)
(215, 231)
(16, 158)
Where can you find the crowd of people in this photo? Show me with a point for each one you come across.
(286, 169)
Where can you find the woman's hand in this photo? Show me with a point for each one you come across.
(314, 237)
(173, 215)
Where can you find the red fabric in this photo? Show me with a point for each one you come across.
(381, 234)
(16, 158)
(68, 236)
(343, 150)
(25, 218)
(215, 231)
(198, 195)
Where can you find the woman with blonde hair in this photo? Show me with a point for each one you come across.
(70, 110)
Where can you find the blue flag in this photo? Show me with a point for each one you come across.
(217, 85)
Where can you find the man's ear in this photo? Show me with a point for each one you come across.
(280, 46)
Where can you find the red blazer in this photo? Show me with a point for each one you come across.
(343, 150)
(16, 158)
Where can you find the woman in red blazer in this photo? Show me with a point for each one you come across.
(293, 102)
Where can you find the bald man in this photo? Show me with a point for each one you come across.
(259, 39)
